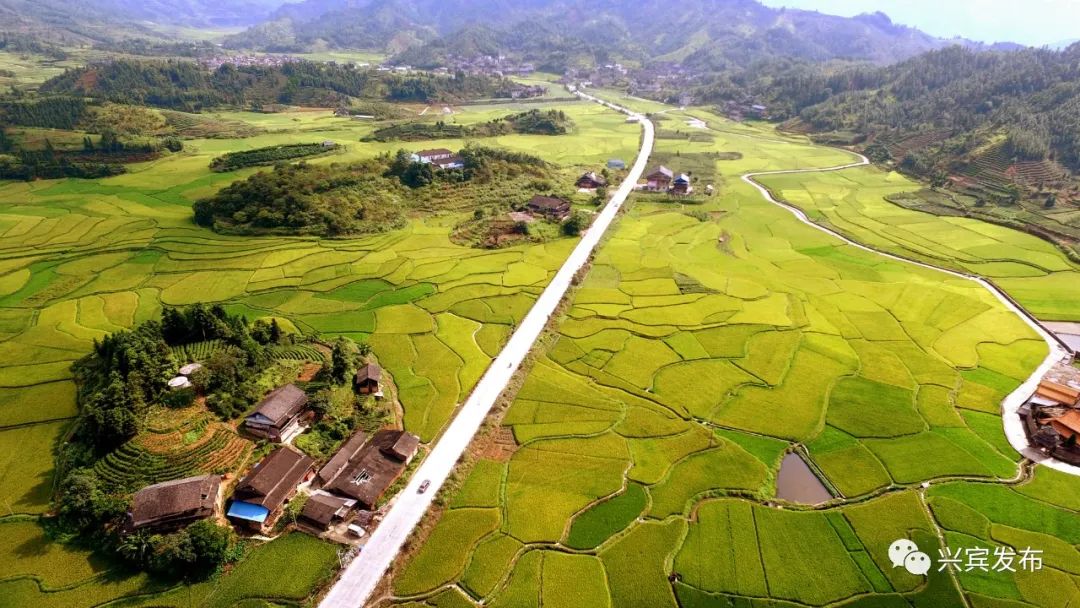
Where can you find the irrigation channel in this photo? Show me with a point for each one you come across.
(360, 578)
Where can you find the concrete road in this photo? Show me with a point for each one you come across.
(357, 582)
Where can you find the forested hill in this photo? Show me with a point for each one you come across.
(185, 85)
(698, 32)
(1027, 101)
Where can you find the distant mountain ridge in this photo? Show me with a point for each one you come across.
(88, 20)
(709, 33)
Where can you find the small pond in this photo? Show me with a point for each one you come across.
(796, 482)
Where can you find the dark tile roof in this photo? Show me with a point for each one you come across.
(369, 372)
(370, 471)
(274, 478)
(191, 496)
(591, 176)
(548, 203)
(282, 404)
(404, 447)
(321, 508)
(337, 462)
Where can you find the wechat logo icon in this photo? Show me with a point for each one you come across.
(904, 553)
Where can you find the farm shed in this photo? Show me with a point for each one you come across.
(322, 510)
(367, 379)
(1067, 425)
(1059, 393)
(681, 184)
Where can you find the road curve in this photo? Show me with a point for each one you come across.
(1014, 427)
(359, 579)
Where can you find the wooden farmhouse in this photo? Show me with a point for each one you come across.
(172, 505)
(364, 470)
(549, 206)
(368, 379)
(591, 181)
(261, 494)
(277, 417)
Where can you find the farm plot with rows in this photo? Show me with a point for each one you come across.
(81, 259)
(711, 336)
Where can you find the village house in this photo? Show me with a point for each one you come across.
(371, 468)
(549, 206)
(171, 505)
(367, 379)
(659, 179)
(591, 181)
(277, 417)
(681, 184)
(260, 495)
(430, 156)
(1051, 416)
(1058, 393)
(616, 163)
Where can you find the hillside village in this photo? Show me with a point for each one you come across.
(345, 491)
(318, 449)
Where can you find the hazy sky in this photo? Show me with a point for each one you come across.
(1034, 22)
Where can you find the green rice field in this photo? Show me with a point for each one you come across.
(1032, 270)
(80, 259)
(712, 336)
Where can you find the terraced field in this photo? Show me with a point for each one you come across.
(79, 259)
(708, 340)
(1032, 270)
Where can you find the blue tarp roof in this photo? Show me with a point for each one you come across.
(248, 511)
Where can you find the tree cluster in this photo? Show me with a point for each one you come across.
(531, 122)
(332, 200)
(268, 155)
(195, 552)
